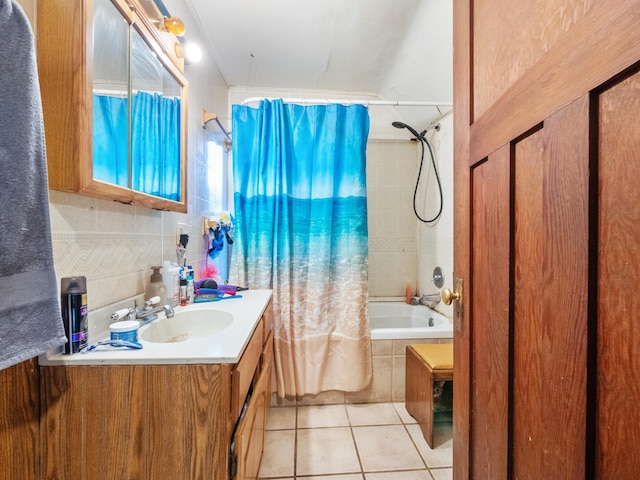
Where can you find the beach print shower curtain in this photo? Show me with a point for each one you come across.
(301, 218)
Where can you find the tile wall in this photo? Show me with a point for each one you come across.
(435, 241)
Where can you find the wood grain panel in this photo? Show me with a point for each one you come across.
(114, 426)
(104, 433)
(551, 295)
(66, 86)
(618, 427)
(243, 372)
(490, 316)
(19, 420)
(188, 442)
(578, 62)
(462, 92)
(507, 45)
(61, 412)
(528, 330)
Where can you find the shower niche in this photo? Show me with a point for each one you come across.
(115, 102)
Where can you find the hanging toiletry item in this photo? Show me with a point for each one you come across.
(219, 229)
(75, 313)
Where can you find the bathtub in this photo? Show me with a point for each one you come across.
(397, 320)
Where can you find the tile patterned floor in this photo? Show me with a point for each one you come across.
(377, 441)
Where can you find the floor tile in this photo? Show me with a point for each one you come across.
(442, 454)
(281, 418)
(442, 473)
(372, 414)
(326, 450)
(279, 454)
(410, 475)
(322, 416)
(385, 448)
(353, 476)
(404, 415)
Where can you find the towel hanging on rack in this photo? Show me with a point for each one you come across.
(30, 320)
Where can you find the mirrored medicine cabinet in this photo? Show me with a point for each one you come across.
(114, 101)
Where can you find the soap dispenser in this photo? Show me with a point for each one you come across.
(156, 287)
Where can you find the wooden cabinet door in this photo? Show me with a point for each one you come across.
(547, 243)
(249, 438)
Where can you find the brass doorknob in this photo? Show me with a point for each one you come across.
(448, 296)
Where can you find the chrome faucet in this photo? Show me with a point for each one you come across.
(149, 310)
(145, 314)
(430, 300)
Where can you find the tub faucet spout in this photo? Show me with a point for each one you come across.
(430, 300)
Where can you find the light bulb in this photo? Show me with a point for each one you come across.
(174, 25)
(191, 52)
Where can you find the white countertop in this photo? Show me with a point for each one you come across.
(225, 346)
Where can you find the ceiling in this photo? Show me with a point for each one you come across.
(399, 50)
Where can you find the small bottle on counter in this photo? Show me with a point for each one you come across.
(183, 292)
(190, 289)
(171, 279)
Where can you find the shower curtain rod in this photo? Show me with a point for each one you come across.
(394, 103)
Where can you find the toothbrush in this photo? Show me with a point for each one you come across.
(113, 343)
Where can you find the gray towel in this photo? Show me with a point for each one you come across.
(30, 320)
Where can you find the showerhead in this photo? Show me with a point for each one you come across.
(408, 127)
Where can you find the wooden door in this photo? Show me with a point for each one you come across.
(547, 239)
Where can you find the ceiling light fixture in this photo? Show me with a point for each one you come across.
(191, 52)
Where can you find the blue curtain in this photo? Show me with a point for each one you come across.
(301, 229)
(155, 145)
(111, 139)
(155, 149)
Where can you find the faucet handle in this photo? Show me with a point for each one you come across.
(119, 314)
(152, 301)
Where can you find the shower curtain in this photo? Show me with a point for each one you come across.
(301, 229)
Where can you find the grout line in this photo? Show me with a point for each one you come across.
(351, 427)
(406, 429)
(355, 444)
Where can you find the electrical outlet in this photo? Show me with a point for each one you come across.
(181, 228)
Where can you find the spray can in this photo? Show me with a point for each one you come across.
(75, 313)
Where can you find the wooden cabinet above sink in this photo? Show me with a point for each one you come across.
(115, 103)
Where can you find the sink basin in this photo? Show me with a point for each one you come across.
(186, 325)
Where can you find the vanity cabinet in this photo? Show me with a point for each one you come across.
(250, 402)
(158, 421)
(114, 101)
